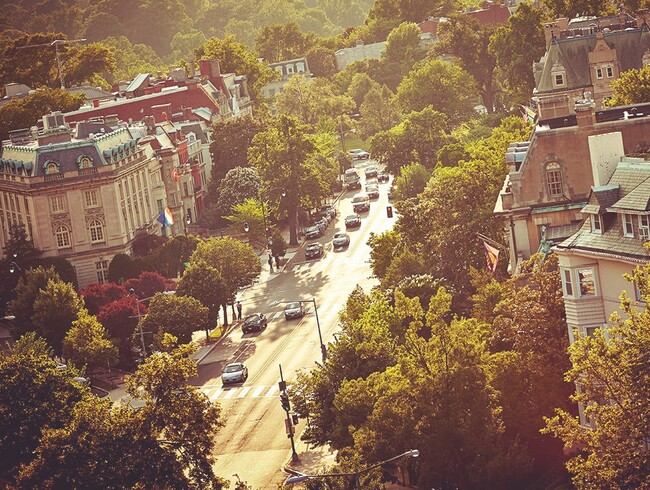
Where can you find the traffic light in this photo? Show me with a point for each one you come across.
(389, 211)
(284, 399)
(294, 418)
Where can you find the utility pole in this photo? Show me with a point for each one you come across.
(284, 399)
(56, 43)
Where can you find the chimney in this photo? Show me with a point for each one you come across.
(160, 112)
(605, 151)
(642, 17)
(585, 111)
(150, 123)
(554, 29)
(210, 69)
(95, 102)
(187, 114)
(552, 107)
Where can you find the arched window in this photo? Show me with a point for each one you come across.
(96, 228)
(84, 161)
(51, 167)
(554, 186)
(62, 235)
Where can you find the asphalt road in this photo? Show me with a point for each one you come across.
(253, 444)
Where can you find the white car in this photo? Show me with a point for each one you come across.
(234, 372)
(359, 154)
(341, 239)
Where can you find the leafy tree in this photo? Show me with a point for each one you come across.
(237, 263)
(239, 184)
(514, 58)
(321, 61)
(62, 267)
(279, 42)
(235, 57)
(383, 248)
(121, 268)
(130, 58)
(411, 181)
(250, 214)
(180, 316)
(444, 86)
(402, 52)
(97, 295)
(229, 147)
(55, 308)
(283, 156)
(184, 43)
(573, 8)
(452, 153)
(18, 248)
(167, 443)
(632, 87)
(86, 343)
(34, 395)
(148, 284)
(174, 253)
(146, 244)
(359, 87)
(612, 371)
(20, 113)
(120, 318)
(278, 244)
(27, 290)
(378, 112)
(203, 282)
(463, 37)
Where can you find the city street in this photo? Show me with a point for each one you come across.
(253, 444)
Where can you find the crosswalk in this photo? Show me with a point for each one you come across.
(218, 392)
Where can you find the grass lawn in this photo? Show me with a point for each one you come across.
(352, 141)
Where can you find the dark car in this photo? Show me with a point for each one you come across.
(383, 178)
(295, 309)
(322, 224)
(372, 191)
(313, 251)
(328, 210)
(371, 172)
(313, 232)
(254, 323)
(352, 221)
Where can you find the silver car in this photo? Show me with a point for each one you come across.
(234, 372)
(341, 239)
(295, 309)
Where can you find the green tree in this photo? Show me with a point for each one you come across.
(56, 306)
(378, 112)
(203, 282)
(383, 248)
(86, 343)
(27, 290)
(34, 396)
(444, 86)
(514, 58)
(402, 52)
(612, 371)
(278, 244)
(279, 42)
(237, 263)
(175, 252)
(359, 87)
(21, 113)
(174, 314)
(239, 185)
(411, 181)
(632, 87)
(249, 216)
(236, 57)
(130, 58)
(573, 8)
(321, 61)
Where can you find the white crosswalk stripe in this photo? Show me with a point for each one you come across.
(214, 392)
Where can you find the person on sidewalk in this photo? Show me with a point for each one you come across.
(270, 261)
(239, 308)
(277, 262)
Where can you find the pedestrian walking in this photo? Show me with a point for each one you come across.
(239, 308)
(277, 262)
(271, 263)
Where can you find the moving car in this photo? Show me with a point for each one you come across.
(254, 323)
(341, 240)
(372, 191)
(371, 172)
(361, 202)
(313, 251)
(383, 177)
(313, 232)
(352, 221)
(390, 192)
(295, 309)
(358, 154)
(352, 179)
(234, 372)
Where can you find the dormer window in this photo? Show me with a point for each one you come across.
(644, 227)
(554, 185)
(628, 228)
(51, 167)
(610, 72)
(84, 161)
(290, 70)
(559, 79)
(597, 224)
(300, 67)
(599, 73)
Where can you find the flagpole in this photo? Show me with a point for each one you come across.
(492, 242)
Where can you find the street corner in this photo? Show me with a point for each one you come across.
(311, 460)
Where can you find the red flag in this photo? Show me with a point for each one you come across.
(491, 256)
(175, 175)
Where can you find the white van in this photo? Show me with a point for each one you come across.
(361, 202)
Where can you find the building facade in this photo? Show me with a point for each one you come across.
(285, 70)
(84, 199)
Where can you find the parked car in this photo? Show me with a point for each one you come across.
(295, 309)
(358, 154)
(313, 251)
(341, 240)
(352, 179)
(382, 177)
(313, 232)
(329, 209)
(361, 202)
(254, 323)
(322, 223)
(352, 221)
(372, 191)
(371, 172)
(235, 372)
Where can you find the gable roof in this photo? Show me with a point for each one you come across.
(601, 198)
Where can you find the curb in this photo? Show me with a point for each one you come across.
(216, 343)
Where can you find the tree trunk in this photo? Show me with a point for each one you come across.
(293, 228)
(225, 314)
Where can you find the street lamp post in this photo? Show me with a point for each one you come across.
(413, 453)
(323, 349)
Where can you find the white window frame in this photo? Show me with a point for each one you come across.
(96, 231)
(558, 79)
(580, 283)
(644, 226)
(567, 282)
(101, 267)
(91, 200)
(596, 224)
(628, 225)
(62, 237)
(57, 204)
(591, 329)
(554, 184)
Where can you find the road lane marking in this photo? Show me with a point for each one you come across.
(230, 393)
(272, 391)
(257, 391)
(214, 392)
(244, 392)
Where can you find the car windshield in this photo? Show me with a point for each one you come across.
(292, 306)
(312, 229)
(312, 246)
(233, 368)
(359, 198)
(340, 234)
(352, 217)
(251, 319)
